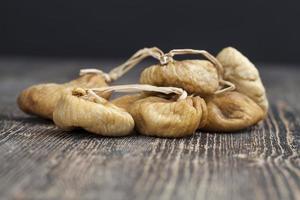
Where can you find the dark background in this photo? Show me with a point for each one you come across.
(267, 31)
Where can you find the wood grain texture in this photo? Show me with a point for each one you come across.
(40, 161)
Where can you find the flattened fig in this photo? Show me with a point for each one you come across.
(231, 111)
(94, 114)
(195, 76)
(157, 116)
(241, 72)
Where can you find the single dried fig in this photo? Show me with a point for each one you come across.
(194, 76)
(92, 113)
(156, 116)
(231, 111)
(244, 75)
(41, 99)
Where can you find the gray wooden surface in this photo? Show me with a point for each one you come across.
(40, 161)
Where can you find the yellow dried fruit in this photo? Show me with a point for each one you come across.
(244, 75)
(92, 113)
(231, 111)
(194, 76)
(156, 116)
(41, 99)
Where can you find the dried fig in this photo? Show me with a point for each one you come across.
(194, 76)
(156, 116)
(231, 111)
(244, 75)
(41, 99)
(92, 113)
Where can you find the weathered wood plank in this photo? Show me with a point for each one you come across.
(40, 161)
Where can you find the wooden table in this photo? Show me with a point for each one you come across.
(40, 161)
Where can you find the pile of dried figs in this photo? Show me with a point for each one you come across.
(174, 98)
